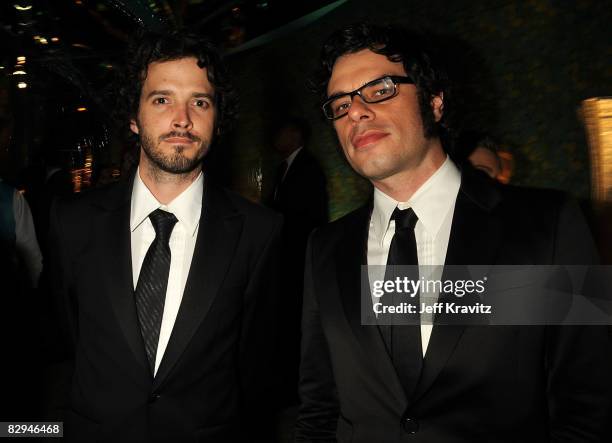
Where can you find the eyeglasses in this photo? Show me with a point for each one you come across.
(376, 91)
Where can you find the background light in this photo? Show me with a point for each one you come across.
(22, 85)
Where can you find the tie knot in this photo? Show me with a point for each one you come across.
(282, 168)
(404, 218)
(163, 222)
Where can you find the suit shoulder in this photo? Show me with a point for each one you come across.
(249, 208)
(83, 201)
(534, 200)
(533, 194)
(339, 227)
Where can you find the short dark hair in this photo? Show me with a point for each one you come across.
(151, 47)
(400, 46)
(298, 123)
(467, 142)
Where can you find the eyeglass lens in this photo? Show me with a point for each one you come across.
(373, 92)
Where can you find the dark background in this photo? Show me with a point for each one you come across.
(521, 70)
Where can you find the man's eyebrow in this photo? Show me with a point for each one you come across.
(158, 92)
(203, 95)
(169, 92)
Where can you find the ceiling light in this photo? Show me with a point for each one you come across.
(19, 73)
(23, 8)
(21, 58)
(22, 85)
(82, 109)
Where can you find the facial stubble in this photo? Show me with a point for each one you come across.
(174, 162)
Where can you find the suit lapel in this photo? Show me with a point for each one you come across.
(217, 238)
(351, 255)
(475, 239)
(115, 238)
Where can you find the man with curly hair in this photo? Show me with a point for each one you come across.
(165, 280)
(365, 380)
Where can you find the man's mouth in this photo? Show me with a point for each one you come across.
(178, 140)
(368, 137)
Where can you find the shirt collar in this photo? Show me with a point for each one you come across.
(186, 207)
(431, 202)
(292, 156)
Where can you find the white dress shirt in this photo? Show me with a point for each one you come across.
(434, 204)
(186, 208)
(25, 238)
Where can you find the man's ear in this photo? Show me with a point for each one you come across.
(134, 126)
(437, 106)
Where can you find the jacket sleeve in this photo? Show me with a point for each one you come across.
(318, 414)
(57, 278)
(578, 358)
(258, 336)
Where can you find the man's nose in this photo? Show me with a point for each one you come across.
(360, 110)
(182, 119)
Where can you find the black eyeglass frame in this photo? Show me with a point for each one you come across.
(395, 79)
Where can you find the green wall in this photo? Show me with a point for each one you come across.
(523, 68)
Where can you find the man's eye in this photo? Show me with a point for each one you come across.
(382, 92)
(160, 101)
(341, 107)
(202, 103)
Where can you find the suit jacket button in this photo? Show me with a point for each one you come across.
(154, 397)
(410, 425)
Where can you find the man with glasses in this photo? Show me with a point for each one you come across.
(390, 104)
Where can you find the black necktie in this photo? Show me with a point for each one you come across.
(404, 341)
(153, 281)
(280, 175)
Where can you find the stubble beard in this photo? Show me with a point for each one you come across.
(389, 163)
(175, 162)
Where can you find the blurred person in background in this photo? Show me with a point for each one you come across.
(18, 235)
(300, 194)
(481, 151)
(20, 268)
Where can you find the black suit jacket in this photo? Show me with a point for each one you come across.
(210, 384)
(302, 195)
(479, 383)
(302, 200)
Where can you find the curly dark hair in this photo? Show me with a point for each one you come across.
(399, 46)
(150, 47)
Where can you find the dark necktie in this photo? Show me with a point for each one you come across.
(280, 174)
(152, 282)
(404, 340)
